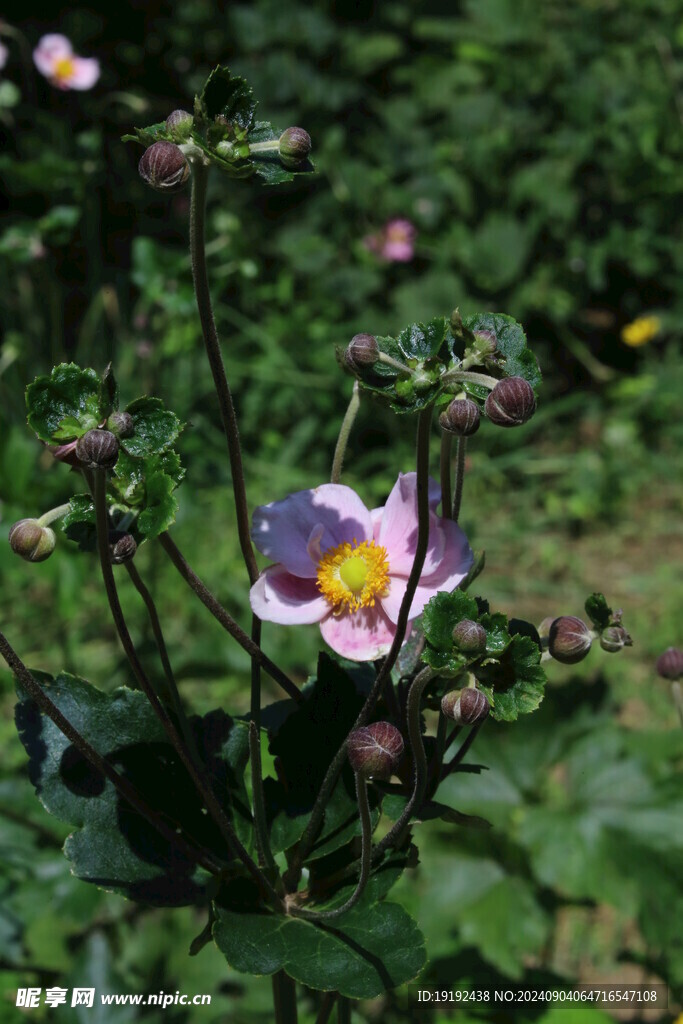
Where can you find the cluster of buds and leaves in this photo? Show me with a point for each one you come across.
(568, 639)
(466, 366)
(222, 132)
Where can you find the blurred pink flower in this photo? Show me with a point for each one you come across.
(4, 54)
(55, 59)
(347, 568)
(395, 242)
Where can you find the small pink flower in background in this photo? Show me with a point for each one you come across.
(55, 59)
(4, 54)
(395, 242)
(347, 568)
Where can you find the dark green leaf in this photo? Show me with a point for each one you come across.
(514, 684)
(155, 428)
(69, 397)
(149, 135)
(422, 341)
(226, 95)
(161, 505)
(510, 343)
(497, 636)
(442, 614)
(598, 611)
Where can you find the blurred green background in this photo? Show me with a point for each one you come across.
(536, 149)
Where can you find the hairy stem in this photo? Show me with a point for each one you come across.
(125, 789)
(420, 766)
(475, 378)
(344, 432)
(459, 476)
(467, 743)
(365, 859)
(315, 821)
(445, 468)
(195, 772)
(213, 351)
(54, 513)
(227, 622)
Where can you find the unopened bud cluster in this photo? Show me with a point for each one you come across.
(470, 637)
(122, 547)
(511, 403)
(164, 167)
(461, 417)
(98, 449)
(669, 665)
(295, 145)
(374, 751)
(362, 350)
(466, 707)
(31, 541)
(569, 639)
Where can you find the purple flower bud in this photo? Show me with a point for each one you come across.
(98, 449)
(470, 637)
(569, 640)
(121, 424)
(164, 167)
(122, 547)
(179, 124)
(375, 750)
(465, 707)
(31, 541)
(295, 145)
(511, 402)
(461, 417)
(669, 665)
(544, 628)
(363, 350)
(614, 638)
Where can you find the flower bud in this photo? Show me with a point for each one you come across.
(569, 640)
(179, 124)
(544, 628)
(511, 402)
(465, 707)
(98, 449)
(375, 750)
(122, 547)
(295, 145)
(470, 637)
(363, 350)
(121, 424)
(670, 664)
(486, 342)
(614, 638)
(461, 417)
(32, 541)
(164, 167)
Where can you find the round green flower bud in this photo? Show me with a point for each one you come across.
(121, 424)
(465, 707)
(179, 124)
(569, 640)
(31, 541)
(461, 417)
(374, 751)
(164, 167)
(614, 638)
(362, 350)
(511, 403)
(295, 145)
(669, 665)
(98, 449)
(470, 637)
(122, 547)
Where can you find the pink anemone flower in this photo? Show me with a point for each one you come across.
(347, 568)
(55, 59)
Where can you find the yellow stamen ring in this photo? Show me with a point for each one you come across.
(64, 69)
(351, 576)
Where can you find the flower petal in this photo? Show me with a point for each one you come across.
(278, 596)
(284, 529)
(50, 49)
(451, 570)
(359, 636)
(398, 530)
(85, 74)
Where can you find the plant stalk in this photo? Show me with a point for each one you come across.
(284, 998)
(344, 432)
(445, 469)
(461, 451)
(266, 858)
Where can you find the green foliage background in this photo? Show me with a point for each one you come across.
(537, 150)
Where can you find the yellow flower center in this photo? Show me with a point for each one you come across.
(64, 69)
(351, 576)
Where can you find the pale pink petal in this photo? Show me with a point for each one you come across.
(398, 531)
(50, 49)
(4, 54)
(398, 252)
(284, 529)
(277, 596)
(86, 73)
(451, 571)
(359, 636)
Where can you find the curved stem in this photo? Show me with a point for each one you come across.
(365, 860)
(227, 622)
(315, 821)
(459, 476)
(420, 766)
(344, 432)
(213, 351)
(261, 826)
(54, 513)
(202, 785)
(125, 789)
(453, 764)
(445, 469)
(475, 378)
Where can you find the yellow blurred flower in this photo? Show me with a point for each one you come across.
(640, 331)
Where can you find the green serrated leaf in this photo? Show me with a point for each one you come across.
(514, 684)
(161, 505)
(155, 428)
(368, 951)
(442, 614)
(228, 96)
(497, 635)
(423, 341)
(598, 611)
(149, 135)
(69, 398)
(519, 361)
